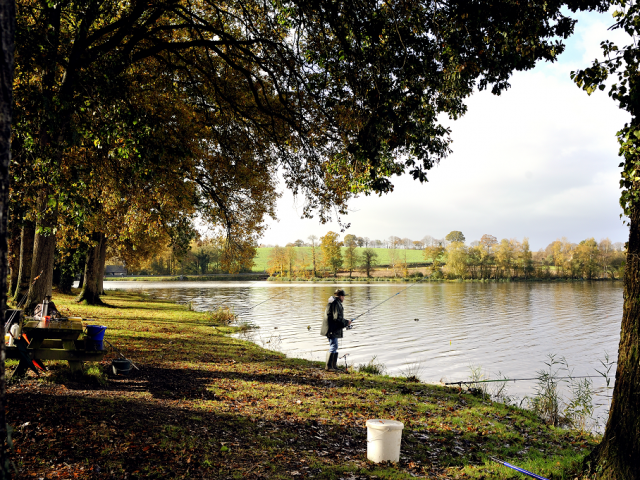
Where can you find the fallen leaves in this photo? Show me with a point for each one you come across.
(209, 406)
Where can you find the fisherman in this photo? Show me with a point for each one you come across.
(332, 325)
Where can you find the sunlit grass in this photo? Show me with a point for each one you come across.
(289, 414)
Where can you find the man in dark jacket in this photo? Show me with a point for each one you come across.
(332, 325)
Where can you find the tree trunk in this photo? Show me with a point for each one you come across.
(26, 257)
(617, 456)
(44, 246)
(13, 259)
(68, 270)
(81, 281)
(65, 283)
(90, 293)
(7, 34)
(101, 264)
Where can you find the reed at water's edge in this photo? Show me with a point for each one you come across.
(207, 405)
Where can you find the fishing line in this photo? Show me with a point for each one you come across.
(518, 380)
(218, 305)
(270, 298)
(376, 306)
(20, 304)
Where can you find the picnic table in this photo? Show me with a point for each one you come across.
(54, 340)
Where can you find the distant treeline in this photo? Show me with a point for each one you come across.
(446, 258)
(203, 257)
(449, 258)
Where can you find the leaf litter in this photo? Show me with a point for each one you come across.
(206, 405)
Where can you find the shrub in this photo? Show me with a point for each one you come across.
(222, 316)
(436, 274)
(411, 372)
(546, 402)
(373, 367)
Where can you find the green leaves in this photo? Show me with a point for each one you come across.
(624, 63)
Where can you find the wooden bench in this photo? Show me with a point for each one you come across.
(54, 340)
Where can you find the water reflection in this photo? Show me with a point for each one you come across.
(501, 327)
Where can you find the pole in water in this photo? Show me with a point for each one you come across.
(471, 382)
(518, 469)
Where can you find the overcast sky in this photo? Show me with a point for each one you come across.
(539, 161)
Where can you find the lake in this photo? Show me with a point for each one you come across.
(438, 330)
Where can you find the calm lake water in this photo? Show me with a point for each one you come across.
(438, 330)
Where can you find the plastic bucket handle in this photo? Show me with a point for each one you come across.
(96, 332)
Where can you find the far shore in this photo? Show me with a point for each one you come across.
(340, 278)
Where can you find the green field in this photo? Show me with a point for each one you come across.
(413, 256)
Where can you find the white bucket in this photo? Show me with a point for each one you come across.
(383, 440)
(15, 333)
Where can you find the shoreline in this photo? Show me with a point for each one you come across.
(208, 405)
(340, 279)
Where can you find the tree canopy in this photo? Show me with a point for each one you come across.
(207, 102)
(455, 236)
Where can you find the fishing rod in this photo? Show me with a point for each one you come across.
(20, 304)
(119, 352)
(398, 293)
(518, 469)
(270, 298)
(517, 380)
(218, 305)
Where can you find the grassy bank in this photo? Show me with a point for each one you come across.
(206, 405)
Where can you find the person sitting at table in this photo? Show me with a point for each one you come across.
(51, 310)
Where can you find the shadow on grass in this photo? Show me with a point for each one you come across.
(193, 384)
(110, 438)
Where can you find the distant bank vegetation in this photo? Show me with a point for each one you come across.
(445, 258)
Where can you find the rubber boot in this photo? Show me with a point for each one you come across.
(334, 361)
(329, 362)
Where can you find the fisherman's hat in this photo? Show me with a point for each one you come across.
(339, 293)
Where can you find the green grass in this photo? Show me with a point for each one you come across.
(413, 256)
(207, 405)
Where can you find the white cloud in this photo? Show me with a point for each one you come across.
(538, 161)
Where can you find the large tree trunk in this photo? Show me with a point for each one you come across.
(101, 264)
(618, 454)
(43, 254)
(7, 33)
(68, 270)
(90, 293)
(24, 264)
(81, 281)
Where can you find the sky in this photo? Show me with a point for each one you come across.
(539, 161)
